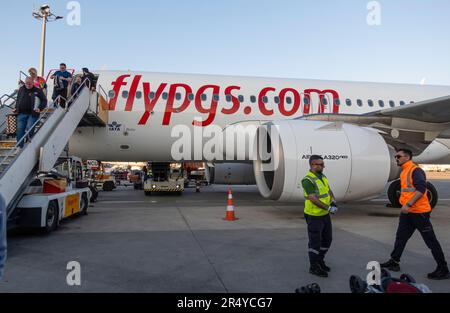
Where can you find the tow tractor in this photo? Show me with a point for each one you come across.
(103, 180)
(165, 177)
(54, 196)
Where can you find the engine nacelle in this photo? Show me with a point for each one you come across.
(358, 162)
(232, 174)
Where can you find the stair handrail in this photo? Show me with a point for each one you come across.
(20, 75)
(11, 96)
(104, 92)
(42, 115)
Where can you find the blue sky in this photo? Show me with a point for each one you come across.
(327, 39)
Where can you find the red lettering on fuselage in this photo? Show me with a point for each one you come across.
(289, 100)
(261, 104)
(234, 100)
(119, 82)
(321, 106)
(169, 106)
(211, 111)
(132, 94)
(150, 103)
(283, 100)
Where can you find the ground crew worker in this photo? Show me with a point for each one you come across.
(415, 214)
(319, 203)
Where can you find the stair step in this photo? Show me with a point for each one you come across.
(3, 167)
(7, 161)
(7, 144)
(5, 152)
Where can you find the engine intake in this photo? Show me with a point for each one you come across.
(358, 162)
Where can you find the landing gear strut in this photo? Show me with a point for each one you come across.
(393, 194)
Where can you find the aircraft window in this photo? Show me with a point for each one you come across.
(265, 99)
(370, 102)
(191, 97)
(392, 103)
(164, 95)
(253, 99)
(402, 103)
(111, 94)
(125, 94)
(359, 102)
(151, 95)
(288, 100)
(305, 101)
(349, 102)
(381, 103)
(411, 102)
(324, 101)
(276, 99)
(241, 99)
(203, 97)
(178, 96)
(138, 95)
(337, 102)
(216, 97)
(228, 98)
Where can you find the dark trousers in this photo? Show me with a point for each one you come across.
(62, 93)
(407, 225)
(320, 235)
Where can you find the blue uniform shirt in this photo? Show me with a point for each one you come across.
(65, 74)
(419, 180)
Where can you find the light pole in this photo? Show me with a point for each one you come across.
(46, 15)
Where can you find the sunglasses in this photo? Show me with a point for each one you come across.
(399, 156)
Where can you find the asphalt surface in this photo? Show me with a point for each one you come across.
(167, 243)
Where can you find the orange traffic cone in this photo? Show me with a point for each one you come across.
(230, 208)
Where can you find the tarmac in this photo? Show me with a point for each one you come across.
(130, 242)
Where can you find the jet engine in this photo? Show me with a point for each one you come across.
(358, 162)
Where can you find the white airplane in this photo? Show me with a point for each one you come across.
(356, 126)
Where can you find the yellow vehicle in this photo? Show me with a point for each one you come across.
(53, 196)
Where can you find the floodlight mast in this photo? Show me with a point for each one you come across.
(44, 13)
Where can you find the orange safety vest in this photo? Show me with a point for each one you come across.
(408, 190)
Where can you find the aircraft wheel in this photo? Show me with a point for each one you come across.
(393, 194)
(432, 194)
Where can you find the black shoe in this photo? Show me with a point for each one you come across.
(440, 273)
(324, 266)
(317, 270)
(391, 265)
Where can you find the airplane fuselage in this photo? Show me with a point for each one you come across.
(145, 107)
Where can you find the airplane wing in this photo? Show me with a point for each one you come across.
(429, 111)
(413, 126)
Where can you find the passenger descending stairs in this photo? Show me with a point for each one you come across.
(53, 131)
